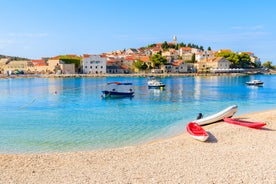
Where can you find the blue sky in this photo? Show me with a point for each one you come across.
(36, 28)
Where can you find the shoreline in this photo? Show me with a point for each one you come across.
(2, 76)
(232, 154)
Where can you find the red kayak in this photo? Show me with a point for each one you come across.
(240, 122)
(196, 131)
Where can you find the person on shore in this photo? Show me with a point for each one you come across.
(199, 116)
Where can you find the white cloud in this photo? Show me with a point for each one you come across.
(28, 34)
(256, 27)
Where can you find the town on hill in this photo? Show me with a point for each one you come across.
(166, 57)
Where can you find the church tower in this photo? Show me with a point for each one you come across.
(174, 40)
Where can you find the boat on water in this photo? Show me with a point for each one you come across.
(196, 131)
(255, 82)
(153, 83)
(240, 122)
(226, 113)
(118, 90)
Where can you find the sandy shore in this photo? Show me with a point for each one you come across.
(232, 154)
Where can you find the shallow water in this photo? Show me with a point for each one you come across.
(68, 114)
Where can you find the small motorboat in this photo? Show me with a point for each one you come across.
(118, 90)
(240, 122)
(196, 131)
(255, 83)
(155, 84)
(226, 113)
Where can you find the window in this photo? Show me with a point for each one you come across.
(90, 66)
(85, 67)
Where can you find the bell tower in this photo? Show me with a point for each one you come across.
(174, 40)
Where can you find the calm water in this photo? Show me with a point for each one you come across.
(35, 119)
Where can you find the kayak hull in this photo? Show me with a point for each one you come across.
(228, 112)
(240, 122)
(197, 132)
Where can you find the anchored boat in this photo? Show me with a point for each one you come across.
(153, 83)
(118, 90)
(255, 83)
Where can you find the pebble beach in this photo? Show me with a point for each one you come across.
(232, 154)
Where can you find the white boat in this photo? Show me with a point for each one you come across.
(118, 90)
(154, 83)
(255, 82)
(226, 113)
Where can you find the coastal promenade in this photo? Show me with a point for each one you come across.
(232, 154)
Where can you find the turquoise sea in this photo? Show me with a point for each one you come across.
(39, 115)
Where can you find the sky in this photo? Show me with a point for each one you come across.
(47, 28)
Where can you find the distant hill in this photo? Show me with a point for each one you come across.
(13, 57)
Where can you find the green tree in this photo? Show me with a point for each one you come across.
(139, 64)
(71, 60)
(201, 47)
(209, 48)
(230, 56)
(244, 60)
(165, 45)
(268, 64)
(144, 66)
(151, 45)
(193, 58)
(157, 60)
(181, 45)
(237, 60)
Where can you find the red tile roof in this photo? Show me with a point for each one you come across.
(249, 53)
(39, 62)
(112, 61)
(145, 58)
(86, 55)
(186, 48)
(177, 62)
(124, 67)
(130, 58)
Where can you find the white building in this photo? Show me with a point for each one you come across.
(179, 66)
(204, 55)
(94, 64)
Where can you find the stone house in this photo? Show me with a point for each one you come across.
(179, 66)
(216, 63)
(94, 64)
